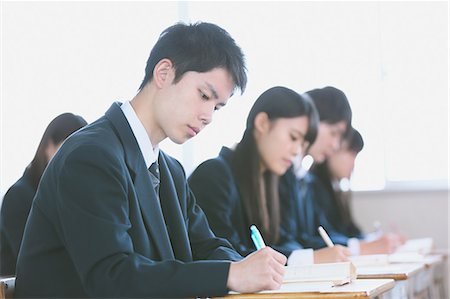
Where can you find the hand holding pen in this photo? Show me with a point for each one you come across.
(260, 270)
(256, 237)
(325, 236)
(332, 253)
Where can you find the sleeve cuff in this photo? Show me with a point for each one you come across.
(353, 246)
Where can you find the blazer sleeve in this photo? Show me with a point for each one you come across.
(14, 213)
(92, 206)
(316, 193)
(205, 245)
(217, 194)
(288, 241)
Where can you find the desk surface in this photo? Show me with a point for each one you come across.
(359, 288)
(434, 259)
(393, 271)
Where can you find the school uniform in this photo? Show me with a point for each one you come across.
(331, 209)
(16, 206)
(99, 228)
(299, 198)
(216, 190)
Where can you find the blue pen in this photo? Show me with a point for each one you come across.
(257, 238)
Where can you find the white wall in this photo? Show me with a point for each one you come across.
(417, 214)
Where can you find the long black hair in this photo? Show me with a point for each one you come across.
(354, 142)
(56, 132)
(260, 194)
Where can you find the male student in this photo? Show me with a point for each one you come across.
(106, 223)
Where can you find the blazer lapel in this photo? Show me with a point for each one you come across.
(152, 213)
(150, 206)
(173, 213)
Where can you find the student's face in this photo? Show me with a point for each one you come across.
(188, 106)
(341, 163)
(328, 140)
(280, 141)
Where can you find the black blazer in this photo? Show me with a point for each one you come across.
(299, 198)
(329, 205)
(96, 227)
(215, 188)
(16, 206)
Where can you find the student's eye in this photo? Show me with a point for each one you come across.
(218, 107)
(294, 138)
(334, 133)
(204, 96)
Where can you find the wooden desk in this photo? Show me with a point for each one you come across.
(360, 288)
(411, 280)
(7, 287)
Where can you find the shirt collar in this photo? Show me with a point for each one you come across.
(149, 152)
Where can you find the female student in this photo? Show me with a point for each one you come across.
(335, 202)
(240, 187)
(332, 172)
(335, 123)
(17, 201)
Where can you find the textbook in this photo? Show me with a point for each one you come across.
(413, 251)
(386, 259)
(336, 273)
(370, 260)
(421, 246)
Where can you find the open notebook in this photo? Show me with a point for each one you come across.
(421, 246)
(336, 273)
(413, 251)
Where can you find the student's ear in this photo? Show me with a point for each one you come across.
(162, 72)
(262, 122)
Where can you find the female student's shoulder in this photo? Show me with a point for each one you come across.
(216, 169)
(18, 197)
(213, 180)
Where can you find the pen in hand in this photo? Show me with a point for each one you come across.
(256, 237)
(325, 236)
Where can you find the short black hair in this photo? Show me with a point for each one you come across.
(198, 47)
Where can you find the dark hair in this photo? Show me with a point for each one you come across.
(198, 47)
(353, 142)
(332, 105)
(260, 195)
(56, 132)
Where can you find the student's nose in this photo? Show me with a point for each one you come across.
(336, 144)
(297, 149)
(206, 115)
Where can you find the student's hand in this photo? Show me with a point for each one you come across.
(401, 237)
(337, 253)
(386, 244)
(261, 270)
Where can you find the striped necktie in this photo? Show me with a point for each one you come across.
(154, 174)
